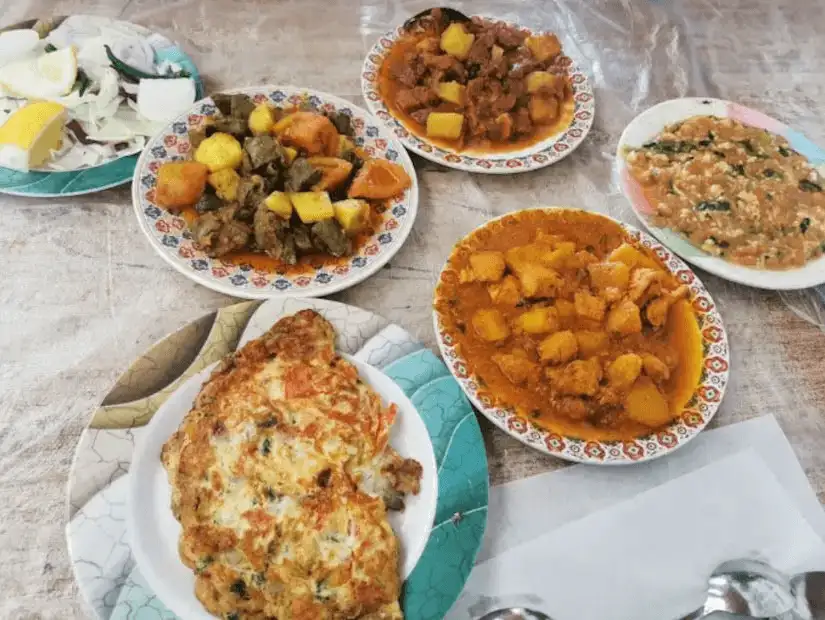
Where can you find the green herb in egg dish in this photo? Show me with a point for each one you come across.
(738, 192)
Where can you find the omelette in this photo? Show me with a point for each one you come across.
(282, 476)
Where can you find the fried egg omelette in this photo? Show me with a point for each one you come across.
(281, 477)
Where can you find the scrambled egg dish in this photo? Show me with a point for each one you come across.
(281, 478)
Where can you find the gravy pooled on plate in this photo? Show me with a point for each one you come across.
(563, 316)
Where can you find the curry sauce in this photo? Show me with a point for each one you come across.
(544, 392)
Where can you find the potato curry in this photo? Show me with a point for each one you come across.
(477, 85)
(566, 318)
(287, 185)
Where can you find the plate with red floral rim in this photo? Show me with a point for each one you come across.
(169, 234)
(696, 415)
(538, 155)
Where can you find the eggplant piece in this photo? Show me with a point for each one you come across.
(288, 253)
(219, 233)
(269, 231)
(208, 202)
(303, 238)
(342, 122)
(329, 237)
(263, 150)
(237, 127)
(301, 176)
(224, 103)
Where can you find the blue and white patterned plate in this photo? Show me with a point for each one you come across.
(170, 236)
(97, 178)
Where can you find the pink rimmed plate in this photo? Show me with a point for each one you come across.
(170, 237)
(696, 415)
(535, 156)
(650, 123)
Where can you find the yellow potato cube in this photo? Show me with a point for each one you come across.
(280, 204)
(352, 214)
(559, 348)
(291, 153)
(624, 370)
(452, 92)
(219, 151)
(345, 145)
(543, 81)
(225, 183)
(456, 41)
(591, 343)
(543, 109)
(538, 321)
(262, 119)
(647, 405)
(589, 306)
(559, 257)
(487, 266)
(609, 275)
(632, 257)
(544, 46)
(624, 318)
(507, 292)
(490, 325)
(447, 125)
(312, 206)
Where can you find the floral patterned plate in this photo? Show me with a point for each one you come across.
(697, 414)
(170, 236)
(533, 157)
(650, 123)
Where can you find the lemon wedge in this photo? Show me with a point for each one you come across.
(50, 75)
(30, 134)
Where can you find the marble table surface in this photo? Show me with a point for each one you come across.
(82, 293)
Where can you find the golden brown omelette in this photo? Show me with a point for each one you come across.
(281, 478)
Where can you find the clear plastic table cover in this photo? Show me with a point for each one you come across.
(82, 292)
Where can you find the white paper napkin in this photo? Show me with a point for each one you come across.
(648, 557)
(526, 509)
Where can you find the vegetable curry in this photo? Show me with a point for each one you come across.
(566, 318)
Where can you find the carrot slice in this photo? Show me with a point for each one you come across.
(379, 179)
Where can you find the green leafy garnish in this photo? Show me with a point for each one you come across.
(713, 205)
(784, 152)
(50, 48)
(809, 186)
(670, 147)
(805, 224)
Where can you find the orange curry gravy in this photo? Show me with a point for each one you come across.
(388, 88)
(678, 341)
(306, 264)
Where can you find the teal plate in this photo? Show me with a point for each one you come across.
(461, 512)
(97, 178)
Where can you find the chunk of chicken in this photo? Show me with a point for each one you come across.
(538, 321)
(644, 280)
(624, 319)
(656, 311)
(581, 259)
(486, 266)
(578, 378)
(589, 306)
(591, 343)
(655, 368)
(571, 407)
(516, 366)
(536, 279)
(624, 370)
(558, 348)
(507, 292)
(490, 325)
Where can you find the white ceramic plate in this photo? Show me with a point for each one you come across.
(539, 155)
(650, 123)
(170, 237)
(154, 532)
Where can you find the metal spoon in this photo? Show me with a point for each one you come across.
(809, 593)
(448, 15)
(748, 589)
(515, 613)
